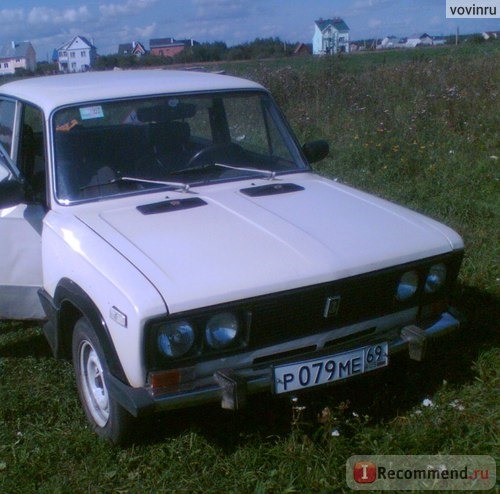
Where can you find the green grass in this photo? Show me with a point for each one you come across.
(419, 128)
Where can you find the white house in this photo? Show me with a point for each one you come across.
(419, 39)
(438, 40)
(330, 36)
(391, 42)
(488, 35)
(78, 55)
(14, 56)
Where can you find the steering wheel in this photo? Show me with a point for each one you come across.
(213, 149)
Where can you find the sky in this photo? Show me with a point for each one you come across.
(48, 24)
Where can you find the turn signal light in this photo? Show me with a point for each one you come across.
(171, 380)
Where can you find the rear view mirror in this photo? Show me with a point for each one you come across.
(315, 150)
(166, 112)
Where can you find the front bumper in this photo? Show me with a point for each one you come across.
(231, 385)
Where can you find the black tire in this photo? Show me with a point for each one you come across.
(106, 416)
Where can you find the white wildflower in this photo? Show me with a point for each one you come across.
(427, 403)
(335, 433)
(457, 405)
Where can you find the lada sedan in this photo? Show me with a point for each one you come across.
(169, 231)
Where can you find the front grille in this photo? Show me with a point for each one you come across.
(301, 313)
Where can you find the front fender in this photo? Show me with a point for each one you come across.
(83, 270)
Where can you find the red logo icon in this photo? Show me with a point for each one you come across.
(365, 472)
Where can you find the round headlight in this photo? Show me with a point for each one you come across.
(407, 286)
(175, 339)
(221, 330)
(436, 278)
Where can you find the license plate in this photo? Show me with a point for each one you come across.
(315, 372)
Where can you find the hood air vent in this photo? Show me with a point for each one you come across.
(270, 190)
(171, 205)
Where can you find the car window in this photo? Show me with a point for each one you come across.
(31, 152)
(7, 120)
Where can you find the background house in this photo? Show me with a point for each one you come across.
(391, 42)
(17, 56)
(169, 47)
(438, 40)
(302, 49)
(78, 55)
(330, 36)
(488, 35)
(418, 40)
(135, 48)
(413, 41)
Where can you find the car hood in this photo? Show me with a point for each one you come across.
(217, 244)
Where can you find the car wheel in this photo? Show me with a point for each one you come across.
(107, 417)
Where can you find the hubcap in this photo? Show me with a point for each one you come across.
(93, 385)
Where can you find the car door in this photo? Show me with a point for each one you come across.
(22, 209)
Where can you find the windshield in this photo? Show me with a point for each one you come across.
(126, 146)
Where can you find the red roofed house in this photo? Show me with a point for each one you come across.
(168, 47)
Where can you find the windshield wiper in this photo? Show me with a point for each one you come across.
(192, 169)
(268, 173)
(174, 185)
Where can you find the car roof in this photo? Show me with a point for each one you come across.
(50, 92)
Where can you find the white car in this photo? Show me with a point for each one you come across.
(169, 230)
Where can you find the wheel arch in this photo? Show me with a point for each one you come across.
(70, 303)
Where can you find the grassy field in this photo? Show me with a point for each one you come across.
(420, 128)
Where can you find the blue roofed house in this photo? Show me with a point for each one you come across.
(135, 48)
(331, 36)
(17, 56)
(77, 55)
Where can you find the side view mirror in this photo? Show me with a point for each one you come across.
(315, 150)
(11, 193)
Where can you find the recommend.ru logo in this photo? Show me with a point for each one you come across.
(421, 472)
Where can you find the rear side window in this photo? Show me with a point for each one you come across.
(7, 115)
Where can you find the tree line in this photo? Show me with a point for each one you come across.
(216, 51)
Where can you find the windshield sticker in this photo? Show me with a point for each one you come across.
(173, 102)
(90, 112)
